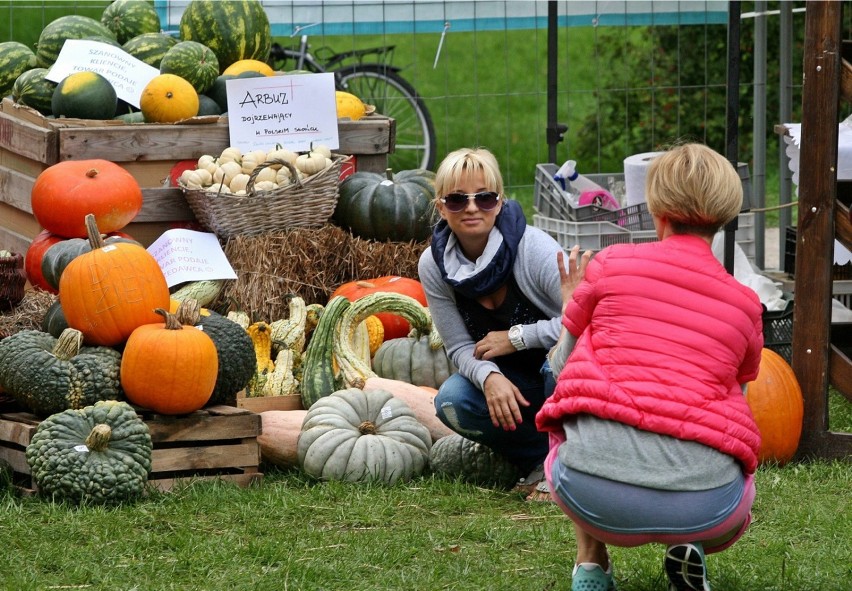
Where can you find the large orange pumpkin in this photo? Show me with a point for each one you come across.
(395, 326)
(169, 368)
(775, 399)
(109, 292)
(63, 194)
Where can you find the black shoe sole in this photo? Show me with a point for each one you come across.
(685, 568)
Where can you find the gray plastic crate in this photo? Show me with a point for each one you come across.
(590, 235)
(552, 201)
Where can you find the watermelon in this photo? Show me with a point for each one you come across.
(192, 61)
(207, 106)
(34, 90)
(84, 95)
(234, 30)
(15, 59)
(150, 47)
(218, 91)
(129, 18)
(72, 26)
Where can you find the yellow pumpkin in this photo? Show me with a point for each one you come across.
(249, 65)
(168, 98)
(775, 400)
(349, 106)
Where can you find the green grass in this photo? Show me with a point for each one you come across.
(292, 533)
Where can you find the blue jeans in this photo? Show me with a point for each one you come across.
(461, 406)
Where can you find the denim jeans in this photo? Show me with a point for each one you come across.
(461, 406)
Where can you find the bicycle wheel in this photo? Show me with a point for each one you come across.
(394, 97)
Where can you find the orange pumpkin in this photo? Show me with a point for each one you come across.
(395, 326)
(776, 403)
(109, 292)
(32, 259)
(63, 194)
(168, 367)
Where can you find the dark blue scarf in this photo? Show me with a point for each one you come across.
(511, 223)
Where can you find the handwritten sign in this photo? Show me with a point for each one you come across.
(186, 255)
(293, 111)
(128, 75)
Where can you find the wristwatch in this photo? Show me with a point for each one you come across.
(516, 337)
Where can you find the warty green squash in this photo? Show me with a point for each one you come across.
(48, 374)
(457, 457)
(99, 454)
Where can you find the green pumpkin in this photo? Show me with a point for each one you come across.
(392, 207)
(48, 374)
(457, 457)
(54, 321)
(100, 454)
(234, 349)
(57, 257)
(413, 360)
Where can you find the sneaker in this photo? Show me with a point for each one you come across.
(686, 568)
(588, 576)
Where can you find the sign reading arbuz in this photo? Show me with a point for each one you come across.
(291, 111)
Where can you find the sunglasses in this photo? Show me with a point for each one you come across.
(485, 201)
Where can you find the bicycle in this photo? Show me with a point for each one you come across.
(377, 83)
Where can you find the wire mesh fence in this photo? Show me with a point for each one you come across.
(630, 77)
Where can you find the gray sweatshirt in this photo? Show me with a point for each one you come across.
(537, 276)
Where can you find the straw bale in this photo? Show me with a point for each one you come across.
(28, 314)
(308, 262)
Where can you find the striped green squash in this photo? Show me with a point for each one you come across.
(15, 59)
(192, 61)
(72, 26)
(34, 90)
(234, 30)
(129, 18)
(150, 47)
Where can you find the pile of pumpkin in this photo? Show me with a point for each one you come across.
(218, 41)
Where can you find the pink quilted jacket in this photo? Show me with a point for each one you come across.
(665, 338)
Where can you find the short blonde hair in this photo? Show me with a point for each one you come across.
(466, 161)
(695, 188)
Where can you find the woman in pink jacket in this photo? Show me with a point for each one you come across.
(651, 439)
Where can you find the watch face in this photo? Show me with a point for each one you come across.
(515, 332)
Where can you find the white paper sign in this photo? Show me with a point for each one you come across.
(186, 255)
(293, 111)
(128, 75)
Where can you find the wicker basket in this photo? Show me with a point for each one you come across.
(306, 203)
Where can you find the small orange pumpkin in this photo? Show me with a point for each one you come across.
(108, 292)
(65, 192)
(395, 326)
(776, 402)
(168, 367)
(168, 98)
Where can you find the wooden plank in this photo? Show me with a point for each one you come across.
(16, 458)
(16, 188)
(815, 234)
(16, 432)
(840, 371)
(846, 81)
(202, 426)
(165, 204)
(14, 242)
(265, 403)
(19, 222)
(205, 457)
(27, 139)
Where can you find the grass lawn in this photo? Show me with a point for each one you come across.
(292, 533)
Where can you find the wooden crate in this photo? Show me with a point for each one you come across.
(217, 442)
(263, 403)
(29, 143)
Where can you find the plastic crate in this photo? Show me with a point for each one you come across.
(551, 200)
(839, 272)
(590, 235)
(632, 217)
(778, 331)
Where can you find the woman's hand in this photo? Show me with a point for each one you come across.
(504, 401)
(494, 344)
(572, 277)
